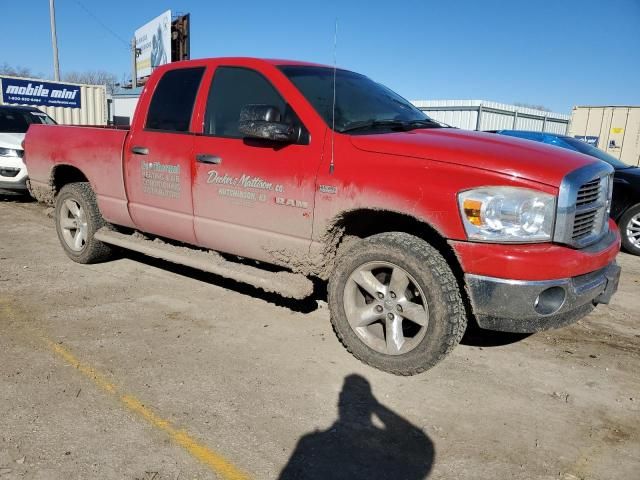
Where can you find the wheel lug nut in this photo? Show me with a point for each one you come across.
(393, 295)
(379, 308)
(390, 316)
(399, 308)
(380, 295)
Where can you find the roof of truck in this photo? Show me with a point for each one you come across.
(279, 61)
(272, 61)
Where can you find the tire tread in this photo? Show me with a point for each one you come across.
(456, 319)
(95, 250)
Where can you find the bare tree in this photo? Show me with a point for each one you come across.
(93, 77)
(17, 71)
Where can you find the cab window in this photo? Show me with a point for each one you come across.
(231, 89)
(173, 99)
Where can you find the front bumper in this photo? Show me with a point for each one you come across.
(13, 174)
(532, 306)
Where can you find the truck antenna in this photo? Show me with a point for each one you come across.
(333, 108)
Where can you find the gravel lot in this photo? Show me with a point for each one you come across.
(138, 369)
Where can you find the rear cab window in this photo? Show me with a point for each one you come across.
(173, 100)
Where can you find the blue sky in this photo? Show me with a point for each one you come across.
(554, 53)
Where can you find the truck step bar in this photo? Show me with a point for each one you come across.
(287, 284)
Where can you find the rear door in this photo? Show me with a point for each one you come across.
(252, 198)
(158, 157)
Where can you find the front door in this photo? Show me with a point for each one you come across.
(250, 197)
(159, 158)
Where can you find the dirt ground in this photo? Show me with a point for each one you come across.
(138, 369)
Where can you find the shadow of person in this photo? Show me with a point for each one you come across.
(367, 441)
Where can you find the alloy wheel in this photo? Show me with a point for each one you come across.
(633, 230)
(386, 308)
(73, 224)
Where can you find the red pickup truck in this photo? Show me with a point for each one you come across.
(314, 172)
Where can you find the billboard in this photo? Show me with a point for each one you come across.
(37, 93)
(153, 44)
(181, 38)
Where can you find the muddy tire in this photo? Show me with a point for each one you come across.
(77, 220)
(395, 303)
(630, 230)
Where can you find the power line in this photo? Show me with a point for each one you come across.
(102, 24)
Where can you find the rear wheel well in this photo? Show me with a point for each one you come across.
(65, 174)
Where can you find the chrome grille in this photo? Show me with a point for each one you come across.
(9, 172)
(583, 224)
(592, 202)
(583, 205)
(589, 192)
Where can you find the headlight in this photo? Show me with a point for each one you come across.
(507, 214)
(10, 152)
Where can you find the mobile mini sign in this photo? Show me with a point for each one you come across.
(42, 94)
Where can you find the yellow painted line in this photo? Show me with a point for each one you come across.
(216, 462)
(213, 460)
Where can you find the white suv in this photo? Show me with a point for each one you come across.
(14, 122)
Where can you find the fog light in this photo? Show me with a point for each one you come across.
(550, 300)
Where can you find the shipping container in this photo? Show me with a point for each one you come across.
(614, 129)
(67, 103)
(484, 115)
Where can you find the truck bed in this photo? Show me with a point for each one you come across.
(56, 150)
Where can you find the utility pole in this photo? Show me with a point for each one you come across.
(54, 40)
(134, 56)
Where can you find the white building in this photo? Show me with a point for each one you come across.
(485, 115)
(122, 105)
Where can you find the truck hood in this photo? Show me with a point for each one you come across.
(512, 156)
(11, 140)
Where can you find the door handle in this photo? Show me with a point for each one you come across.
(140, 150)
(207, 158)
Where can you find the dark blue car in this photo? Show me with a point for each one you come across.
(625, 207)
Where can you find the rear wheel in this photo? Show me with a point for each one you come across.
(77, 220)
(630, 230)
(395, 303)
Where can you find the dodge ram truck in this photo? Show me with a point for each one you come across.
(275, 172)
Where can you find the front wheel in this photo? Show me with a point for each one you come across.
(395, 303)
(77, 220)
(630, 230)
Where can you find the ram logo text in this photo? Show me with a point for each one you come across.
(290, 202)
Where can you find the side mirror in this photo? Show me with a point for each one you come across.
(264, 122)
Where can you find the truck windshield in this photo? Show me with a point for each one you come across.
(16, 120)
(584, 147)
(361, 105)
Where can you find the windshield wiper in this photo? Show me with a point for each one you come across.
(404, 125)
(426, 123)
(367, 124)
